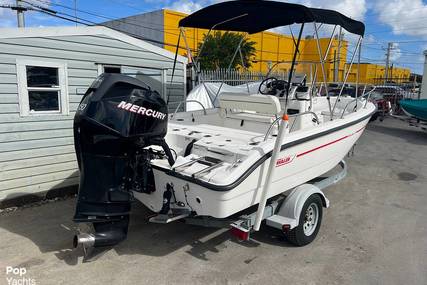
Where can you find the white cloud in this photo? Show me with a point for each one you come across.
(405, 17)
(186, 6)
(370, 39)
(354, 9)
(395, 52)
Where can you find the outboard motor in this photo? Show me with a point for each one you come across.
(117, 119)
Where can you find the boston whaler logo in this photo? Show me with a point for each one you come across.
(141, 110)
(284, 160)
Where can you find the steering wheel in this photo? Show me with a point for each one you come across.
(271, 85)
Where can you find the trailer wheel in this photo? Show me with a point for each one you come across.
(309, 222)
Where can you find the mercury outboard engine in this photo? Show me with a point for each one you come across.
(117, 119)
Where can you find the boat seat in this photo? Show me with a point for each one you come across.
(261, 104)
(267, 119)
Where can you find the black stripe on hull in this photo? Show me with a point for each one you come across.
(260, 161)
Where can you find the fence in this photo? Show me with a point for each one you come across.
(396, 86)
(400, 81)
(236, 77)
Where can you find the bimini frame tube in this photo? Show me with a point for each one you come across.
(358, 74)
(322, 61)
(283, 129)
(174, 64)
(210, 30)
(189, 53)
(228, 69)
(347, 74)
(196, 62)
(294, 59)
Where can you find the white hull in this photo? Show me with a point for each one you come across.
(254, 142)
(317, 151)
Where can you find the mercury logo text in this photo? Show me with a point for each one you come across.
(141, 110)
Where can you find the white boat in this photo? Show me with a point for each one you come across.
(253, 149)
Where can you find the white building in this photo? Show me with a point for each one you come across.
(43, 74)
(424, 84)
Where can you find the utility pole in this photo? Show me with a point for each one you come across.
(20, 14)
(75, 10)
(338, 58)
(387, 62)
(335, 66)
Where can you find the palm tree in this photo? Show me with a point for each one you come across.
(220, 47)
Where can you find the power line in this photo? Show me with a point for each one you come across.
(127, 22)
(137, 23)
(83, 21)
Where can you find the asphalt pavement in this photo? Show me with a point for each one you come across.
(375, 232)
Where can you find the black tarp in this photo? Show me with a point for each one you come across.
(253, 16)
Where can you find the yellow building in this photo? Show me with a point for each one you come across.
(161, 26)
(374, 74)
(271, 48)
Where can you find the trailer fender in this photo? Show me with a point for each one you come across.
(290, 210)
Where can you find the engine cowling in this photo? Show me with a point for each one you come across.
(118, 117)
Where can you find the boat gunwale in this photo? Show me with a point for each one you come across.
(260, 161)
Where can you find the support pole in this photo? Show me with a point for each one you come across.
(338, 59)
(244, 67)
(335, 67)
(174, 66)
(387, 62)
(270, 173)
(346, 75)
(358, 71)
(288, 87)
(322, 64)
(75, 11)
(228, 69)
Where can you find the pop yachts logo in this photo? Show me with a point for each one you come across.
(141, 110)
(17, 276)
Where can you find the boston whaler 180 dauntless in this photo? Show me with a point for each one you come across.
(211, 164)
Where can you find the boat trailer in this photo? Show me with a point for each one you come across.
(281, 212)
(412, 122)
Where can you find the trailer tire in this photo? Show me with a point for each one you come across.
(307, 229)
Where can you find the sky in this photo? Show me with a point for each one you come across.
(401, 22)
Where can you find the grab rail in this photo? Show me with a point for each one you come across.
(270, 127)
(356, 99)
(302, 114)
(293, 123)
(194, 101)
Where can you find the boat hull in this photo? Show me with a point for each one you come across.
(297, 164)
(415, 108)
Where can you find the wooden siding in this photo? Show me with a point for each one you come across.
(37, 152)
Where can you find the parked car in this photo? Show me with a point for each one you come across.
(392, 94)
(383, 105)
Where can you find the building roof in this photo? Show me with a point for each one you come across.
(6, 33)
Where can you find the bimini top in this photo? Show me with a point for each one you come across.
(253, 16)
